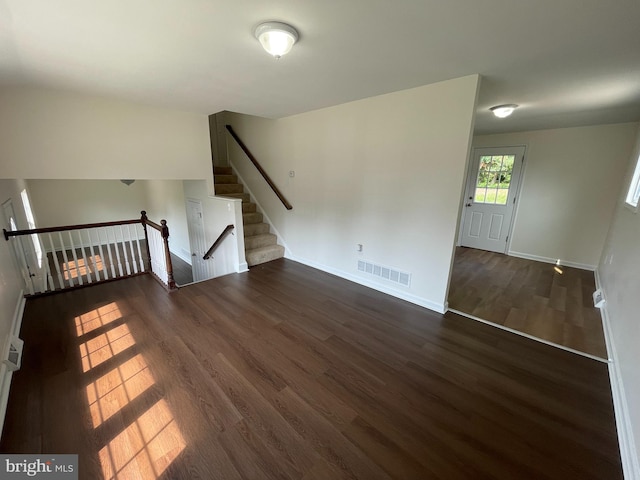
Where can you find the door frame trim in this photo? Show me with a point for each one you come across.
(516, 206)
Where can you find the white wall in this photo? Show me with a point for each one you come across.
(386, 172)
(165, 200)
(571, 181)
(71, 202)
(619, 275)
(52, 134)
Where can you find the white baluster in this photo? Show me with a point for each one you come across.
(56, 262)
(142, 266)
(115, 245)
(66, 265)
(48, 277)
(124, 252)
(105, 267)
(111, 264)
(93, 257)
(85, 262)
(133, 255)
(75, 260)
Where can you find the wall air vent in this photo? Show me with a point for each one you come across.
(13, 353)
(391, 274)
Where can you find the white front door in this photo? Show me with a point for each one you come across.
(492, 187)
(197, 240)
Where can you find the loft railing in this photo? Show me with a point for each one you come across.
(218, 241)
(61, 258)
(253, 159)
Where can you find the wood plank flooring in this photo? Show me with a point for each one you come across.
(286, 372)
(529, 297)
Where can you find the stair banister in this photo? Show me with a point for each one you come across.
(253, 159)
(79, 258)
(218, 241)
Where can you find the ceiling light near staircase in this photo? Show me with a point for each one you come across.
(276, 38)
(503, 111)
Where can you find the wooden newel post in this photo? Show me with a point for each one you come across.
(143, 219)
(171, 283)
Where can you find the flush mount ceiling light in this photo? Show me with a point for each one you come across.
(502, 111)
(276, 38)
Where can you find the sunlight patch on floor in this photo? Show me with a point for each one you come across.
(145, 447)
(113, 391)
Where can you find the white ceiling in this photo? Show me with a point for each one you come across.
(565, 62)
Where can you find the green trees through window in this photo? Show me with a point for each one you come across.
(494, 179)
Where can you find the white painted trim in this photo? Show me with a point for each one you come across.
(280, 239)
(526, 335)
(5, 374)
(422, 302)
(566, 263)
(628, 451)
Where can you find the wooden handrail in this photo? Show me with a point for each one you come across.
(244, 148)
(16, 233)
(218, 241)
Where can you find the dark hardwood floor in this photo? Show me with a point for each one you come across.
(286, 372)
(529, 297)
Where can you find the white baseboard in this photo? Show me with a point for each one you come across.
(243, 267)
(628, 451)
(422, 302)
(537, 258)
(5, 374)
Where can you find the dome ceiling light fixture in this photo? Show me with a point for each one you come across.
(276, 38)
(503, 111)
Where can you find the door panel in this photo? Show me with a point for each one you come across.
(492, 187)
(197, 240)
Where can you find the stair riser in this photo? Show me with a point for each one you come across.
(222, 171)
(223, 188)
(225, 179)
(263, 256)
(258, 241)
(248, 208)
(251, 229)
(248, 218)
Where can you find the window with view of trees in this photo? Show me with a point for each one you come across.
(494, 179)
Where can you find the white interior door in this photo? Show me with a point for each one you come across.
(197, 240)
(492, 188)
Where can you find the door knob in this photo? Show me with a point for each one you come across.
(469, 204)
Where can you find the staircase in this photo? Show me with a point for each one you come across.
(259, 244)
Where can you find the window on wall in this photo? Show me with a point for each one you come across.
(633, 195)
(494, 179)
(31, 222)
